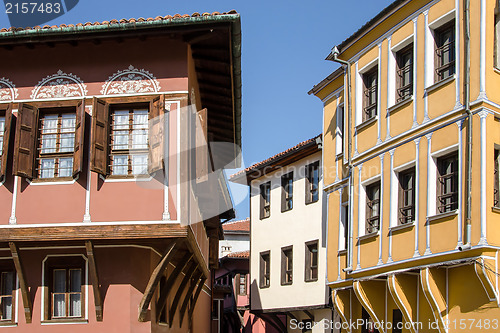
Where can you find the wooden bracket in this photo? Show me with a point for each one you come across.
(309, 315)
(195, 298)
(28, 307)
(165, 290)
(154, 280)
(95, 280)
(194, 281)
(188, 275)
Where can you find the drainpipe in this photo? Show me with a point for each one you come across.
(468, 161)
(334, 57)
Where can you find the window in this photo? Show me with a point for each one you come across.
(496, 185)
(241, 286)
(265, 269)
(49, 140)
(64, 278)
(445, 51)
(129, 141)
(286, 265)
(66, 294)
(311, 267)
(372, 207)
(287, 192)
(370, 91)
(447, 183)
(407, 196)
(265, 200)
(344, 220)
(7, 285)
(404, 73)
(2, 131)
(340, 130)
(56, 143)
(312, 182)
(123, 145)
(397, 321)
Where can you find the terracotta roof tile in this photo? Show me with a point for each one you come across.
(122, 21)
(273, 158)
(242, 254)
(242, 225)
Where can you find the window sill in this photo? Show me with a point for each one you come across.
(284, 284)
(495, 209)
(264, 287)
(311, 280)
(439, 84)
(368, 236)
(342, 252)
(405, 226)
(8, 324)
(496, 69)
(265, 217)
(442, 216)
(126, 179)
(53, 181)
(366, 123)
(65, 321)
(399, 105)
(311, 202)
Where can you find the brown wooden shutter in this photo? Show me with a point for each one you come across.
(156, 134)
(25, 143)
(79, 138)
(6, 142)
(201, 143)
(237, 284)
(308, 184)
(262, 201)
(100, 137)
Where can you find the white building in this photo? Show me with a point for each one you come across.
(236, 237)
(288, 237)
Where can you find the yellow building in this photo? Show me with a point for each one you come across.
(411, 153)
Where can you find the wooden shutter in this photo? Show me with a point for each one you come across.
(100, 137)
(262, 201)
(25, 143)
(237, 284)
(6, 142)
(156, 134)
(79, 138)
(201, 143)
(308, 184)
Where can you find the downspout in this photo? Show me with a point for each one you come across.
(334, 57)
(468, 147)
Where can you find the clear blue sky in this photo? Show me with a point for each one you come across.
(284, 44)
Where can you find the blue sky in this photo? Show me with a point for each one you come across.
(284, 44)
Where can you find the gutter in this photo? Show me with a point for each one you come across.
(334, 57)
(468, 145)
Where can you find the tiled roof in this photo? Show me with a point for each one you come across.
(115, 22)
(242, 225)
(289, 151)
(242, 254)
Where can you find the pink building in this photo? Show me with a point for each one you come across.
(108, 137)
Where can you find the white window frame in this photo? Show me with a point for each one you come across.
(362, 204)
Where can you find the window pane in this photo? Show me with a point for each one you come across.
(120, 165)
(140, 129)
(75, 305)
(2, 130)
(120, 130)
(68, 133)
(65, 167)
(59, 280)
(47, 168)
(49, 134)
(7, 283)
(75, 276)
(59, 305)
(139, 164)
(6, 307)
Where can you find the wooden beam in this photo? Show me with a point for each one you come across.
(194, 281)
(291, 315)
(269, 321)
(196, 38)
(101, 232)
(188, 275)
(165, 290)
(195, 297)
(95, 280)
(25, 293)
(154, 280)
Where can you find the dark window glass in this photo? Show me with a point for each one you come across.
(404, 60)
(265, 200)
(372, 207)
(407, 196)
(287, 190)
(370, 90)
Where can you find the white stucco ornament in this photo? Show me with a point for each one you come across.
(59, 85)
(8, 91)
(130, 81)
